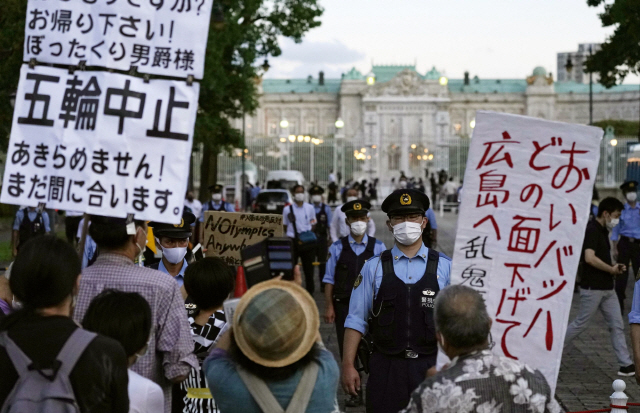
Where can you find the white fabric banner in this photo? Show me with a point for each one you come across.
(163, 37)
(100, 143)
(524, 209)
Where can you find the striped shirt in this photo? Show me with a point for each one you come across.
(170, 333)
(203, 337)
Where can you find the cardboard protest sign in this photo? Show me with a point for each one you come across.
(226, 233)
(100, 143)
(158, 37)
(524, 209)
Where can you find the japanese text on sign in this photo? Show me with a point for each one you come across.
(226, 233)
(164, 37)
(137, 163)
(524, 209)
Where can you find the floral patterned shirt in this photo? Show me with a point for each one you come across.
(483, 382)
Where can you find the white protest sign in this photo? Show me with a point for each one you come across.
(101, 143)
(524, 209)
(163, 37)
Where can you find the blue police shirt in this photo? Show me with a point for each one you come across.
(180, 277)
(90, 249)
(629, 225)
(32, 216)
(228, 207)
(431, 216)
(327, 210)
(634, 315)
(358, 247)
(408, 270)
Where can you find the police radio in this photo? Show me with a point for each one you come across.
(267, 259)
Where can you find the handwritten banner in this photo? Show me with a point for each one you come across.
(163, 37)
(101, 143)
(226, 233)
(524, 209)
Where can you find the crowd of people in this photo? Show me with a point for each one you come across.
(114, 336)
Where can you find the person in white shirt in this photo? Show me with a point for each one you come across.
(193, 204)
(450, 190)
(339, 228)
(332, 177)
(126, 318)
(299, 218)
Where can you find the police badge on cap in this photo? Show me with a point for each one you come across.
(406, 201)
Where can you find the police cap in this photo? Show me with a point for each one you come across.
(629, 186)
(406, 201)
(181, 230)
(357, 207)
(216, 189)
(316, 190)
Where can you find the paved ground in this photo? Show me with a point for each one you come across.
(588, 366)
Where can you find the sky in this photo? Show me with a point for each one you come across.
(489, 38)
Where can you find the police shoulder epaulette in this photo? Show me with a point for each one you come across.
(445, 256)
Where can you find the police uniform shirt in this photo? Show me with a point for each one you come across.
(629, 225)
(90, 249)
(216, 205)
(408, 270)
(358, 248)
(195, 206)
(32, 216)
(305, 218)
(180, 277)
(340, 229)
(431, 216)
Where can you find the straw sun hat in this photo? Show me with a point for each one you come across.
(276, 323)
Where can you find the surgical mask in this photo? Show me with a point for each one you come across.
(403, 184)
(352, 198)
(216, 197)
(407, 233)
(614, 221)
(174, 255)
(358, 228)
(316, 199)
(299, 197)
(632, 196)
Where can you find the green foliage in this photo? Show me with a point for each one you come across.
(621, 127)
(620, 54)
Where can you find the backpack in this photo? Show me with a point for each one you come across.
(45, 390)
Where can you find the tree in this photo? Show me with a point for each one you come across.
(620, 127)
(251, 31)
(620, 54)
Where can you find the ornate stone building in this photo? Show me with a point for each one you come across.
(404, 117)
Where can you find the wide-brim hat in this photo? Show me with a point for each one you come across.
(276, 323)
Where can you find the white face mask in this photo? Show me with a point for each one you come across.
(613, 223)
(407, 233)
(299, 197)
(403, 184)
(358, 228)
(174, 255)
(216, 197)
(632, 196)
(351, 198)
(316, 199)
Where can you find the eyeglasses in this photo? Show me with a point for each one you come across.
(397, 219)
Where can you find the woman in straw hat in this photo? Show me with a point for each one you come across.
(273, 359)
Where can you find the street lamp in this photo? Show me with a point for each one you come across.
(339, 123)
(266, 65)
(444, 81)
(472, 124)
(569, 68)
(371, 79)
(284, 124)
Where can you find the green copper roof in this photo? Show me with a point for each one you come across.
(488, 86)
(300, 86)
(432, 74)
(385, 73)
(573, 87)
(540, 71)
(353, 74)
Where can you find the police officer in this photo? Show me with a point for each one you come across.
(346, 258)
(626, 238)
(173, 241)
(396, 291)
(323, 218)
(214, 204)
(28, 223)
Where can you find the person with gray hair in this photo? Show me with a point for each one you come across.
(476, 380)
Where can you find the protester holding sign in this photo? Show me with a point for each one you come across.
(299, 220)
(396, 290)
(597, 284)
(120, 242)
(173, 241)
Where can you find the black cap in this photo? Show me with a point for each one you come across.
(359, 207)
(629, 186)
(217, 188)
(181, 230)
(316, 190)
(406, 201)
